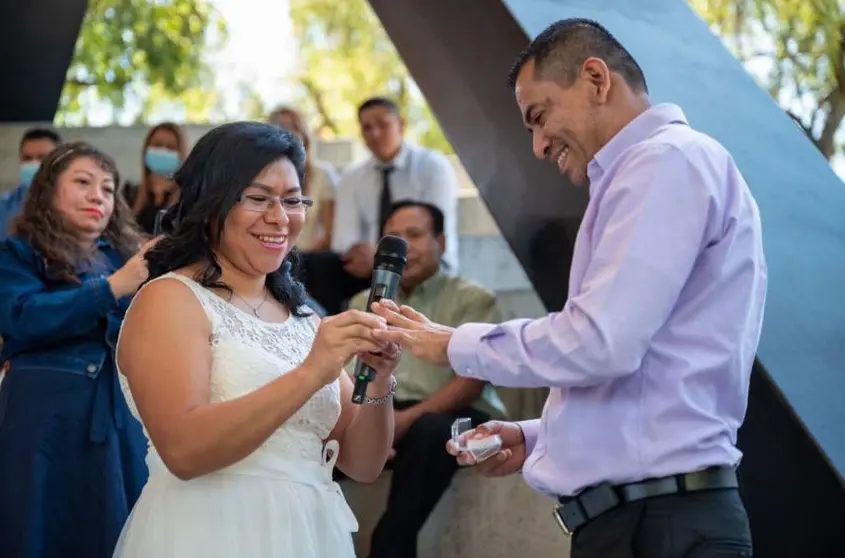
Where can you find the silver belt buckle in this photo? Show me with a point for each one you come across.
(560, 522)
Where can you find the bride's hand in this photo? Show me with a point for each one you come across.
(384, 362)
(341, 337)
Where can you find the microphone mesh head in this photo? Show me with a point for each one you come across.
(391, 248)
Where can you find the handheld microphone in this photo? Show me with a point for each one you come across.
(388, 265)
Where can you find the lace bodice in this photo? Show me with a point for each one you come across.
(248, 353)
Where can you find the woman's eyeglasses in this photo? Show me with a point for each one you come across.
(260, 203)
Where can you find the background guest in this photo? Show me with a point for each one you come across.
(320, 185)
(35, 145)
(396, 171)
(71, 455)
(428, 397)
(164, 150)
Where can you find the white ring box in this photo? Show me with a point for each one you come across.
(479, 448)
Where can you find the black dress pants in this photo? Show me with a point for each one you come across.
(705, 524)
(422, 471)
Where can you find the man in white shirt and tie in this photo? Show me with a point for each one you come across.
(366, 191)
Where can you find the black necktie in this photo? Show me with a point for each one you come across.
(386, 201)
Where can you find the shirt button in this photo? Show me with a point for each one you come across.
(91, 368)
(469, 371)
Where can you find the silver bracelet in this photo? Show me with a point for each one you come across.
(384, 398)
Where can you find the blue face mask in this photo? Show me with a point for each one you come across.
(28, 170)
(163, 162)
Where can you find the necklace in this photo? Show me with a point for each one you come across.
(254, 309)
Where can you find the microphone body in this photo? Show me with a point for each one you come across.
(388, 266)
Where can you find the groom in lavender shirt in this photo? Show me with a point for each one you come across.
(649, 360)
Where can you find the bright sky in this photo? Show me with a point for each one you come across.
(261, 50)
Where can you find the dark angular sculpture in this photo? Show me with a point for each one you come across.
(794, 434)
(37, 39)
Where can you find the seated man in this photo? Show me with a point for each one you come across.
(396, 170)
(428, 398)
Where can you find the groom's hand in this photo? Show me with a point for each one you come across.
(414, 332)
(508, 461)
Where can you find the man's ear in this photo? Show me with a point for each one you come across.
(597, 74)
(441, 243)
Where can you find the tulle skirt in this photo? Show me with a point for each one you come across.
(279, 510)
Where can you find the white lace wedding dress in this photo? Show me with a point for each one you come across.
(279, 502)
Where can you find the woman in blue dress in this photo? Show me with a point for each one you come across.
(71, 455)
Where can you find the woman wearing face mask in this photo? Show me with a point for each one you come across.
(71, 455)
(164, 150)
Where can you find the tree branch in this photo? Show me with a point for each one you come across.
(835, 101)
(317, 96)
(80, 82)
(835, 115)
(798, 122)
(760, 54)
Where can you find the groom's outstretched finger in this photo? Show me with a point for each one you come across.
(385, 310)
(413, 315)
(393, 317)
(389, 304)
(394, 335)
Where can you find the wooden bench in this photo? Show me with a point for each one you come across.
(477, 517)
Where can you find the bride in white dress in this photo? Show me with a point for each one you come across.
(238, 385)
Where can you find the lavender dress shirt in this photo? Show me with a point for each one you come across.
(649, 361)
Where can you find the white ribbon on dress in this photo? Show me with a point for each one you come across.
(331, 451)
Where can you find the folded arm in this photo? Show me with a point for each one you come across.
(652, 223)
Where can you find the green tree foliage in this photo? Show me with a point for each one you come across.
(346, 57)
(797, 49)
(142, 53)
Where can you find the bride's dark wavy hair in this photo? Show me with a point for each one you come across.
(220, 166)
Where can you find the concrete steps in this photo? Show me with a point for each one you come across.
(477, 517)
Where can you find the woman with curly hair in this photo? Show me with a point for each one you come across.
(71, 455)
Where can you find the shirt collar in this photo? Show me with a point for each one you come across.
(636, 131)
(432, 285)
(398, 162)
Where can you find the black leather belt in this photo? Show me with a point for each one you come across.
(574, 512)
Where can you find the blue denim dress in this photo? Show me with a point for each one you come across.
(71, 455)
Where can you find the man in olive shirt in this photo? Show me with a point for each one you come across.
(428, 398)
